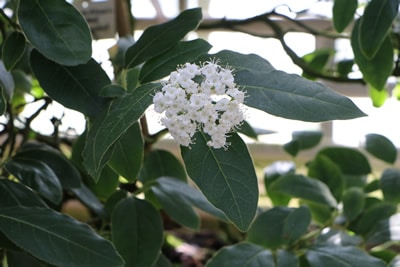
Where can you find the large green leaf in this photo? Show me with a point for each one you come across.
(303, 187)
(56, 238)
(390, 185)
(13, 49)
(18, 258)
(378, 68)
(343, 13)
(76, 87)
(16, 194)
(183, 52)
(108, 129)
(57, 30)
(381, 147)
(334, 256)
(160, 163)
(36, 175)
(242, 255)
(285, 95)
(279, 226)
(87, 197)
(106, 185)
(350, 161)
(226, 177)
(63, 168)
(353, 203)
(137, 232)
(385, 231)
(159, 38)
(375, 24)
(328, 172)
(128, 153)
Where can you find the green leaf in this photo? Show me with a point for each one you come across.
(80, 87)
(36, 175)
(17, 258)
(343, 13)
(16, 194)
(381, 147)
(128, 153)
(176, 205)
(334, 256)
(109, 128)
(302, 140)
(371, 217)
(353, 203)
(271, 174)
(56, 238)
(157, 39)
(377, 69)
(332, 236)
(385, 231)
(137, 232)
(303, 187)
(226, 177)
(162, 65)
(13, 49)
(63, 168)
(106, 185)
(279, 226)
(350, 161)
(162, 261)
(57, 30)
(174, 191)
(328, 172)
(390, 185)
(344, 67)
(321, 213)
(89, 199)
(129, 79)
(7, 84)
(242, 255)
(160, 163)
(378, 96)
(248, 130)
(375, 24)
(286, 258)
(317, 60)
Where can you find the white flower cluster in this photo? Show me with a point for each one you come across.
(203, 98)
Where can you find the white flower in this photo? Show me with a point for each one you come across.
(200, 98)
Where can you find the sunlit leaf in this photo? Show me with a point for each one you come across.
(378, 97)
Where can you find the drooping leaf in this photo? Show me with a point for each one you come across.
(343, 13)
(381, 147)
(385, 231)
(242, 255)
(350, 161)
(271, 174)
(36, 175)
(226, 177)
(76, 87)
(13, 49)
(353, 203)
(16, 194)
(279, 226)
(390, 185)
(137, 232)
(56, 238)
(375, 24)
(378, 68)
(66, 172)
(7, 84)
(183, 52)
(378, 96)
(107, 129)
(160, 163)
(328, 172)
(159, 38)
(286, 258)
(127, 156)
(57, 30)
(332, 256)
(303, 187)
(302, 140)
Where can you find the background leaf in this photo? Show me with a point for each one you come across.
(385, 231)
(56, 238)
(80, 87)
(353, 203)
(343, 13)
(44, 24)
(271, 173)
(390, 185)
(286, 258)
(242, 255)
(302, 140)
(13, 49)
(380, 147)
(137, 232)
(159, 38)
(226, 177)
(7, 84)
(16, 194)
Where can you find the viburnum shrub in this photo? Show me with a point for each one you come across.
(125, 187)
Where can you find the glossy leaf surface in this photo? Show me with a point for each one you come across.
(16, 194)
(13, 49)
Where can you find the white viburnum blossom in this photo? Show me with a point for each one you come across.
(200, 98)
